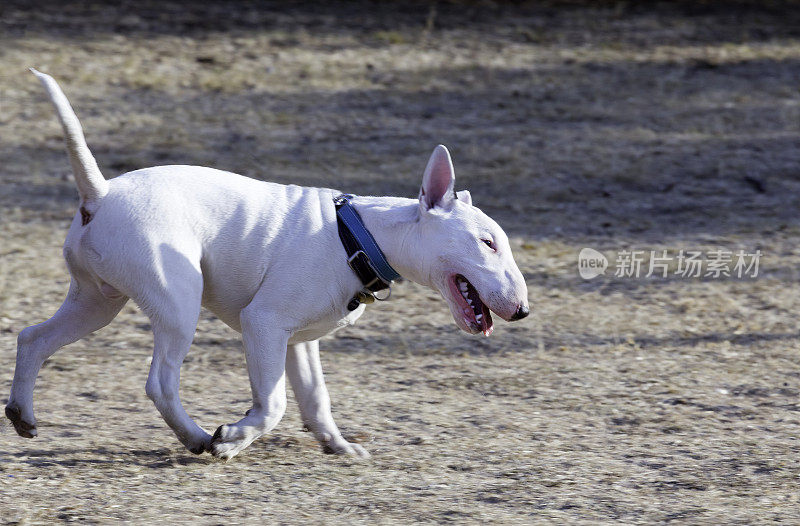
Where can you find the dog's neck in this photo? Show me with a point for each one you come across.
(394, 223)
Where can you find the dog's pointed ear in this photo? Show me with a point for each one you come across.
(463, 195)
(438, 181)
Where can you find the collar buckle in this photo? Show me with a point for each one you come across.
(357, 262)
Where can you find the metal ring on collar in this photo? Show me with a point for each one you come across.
(388, 294)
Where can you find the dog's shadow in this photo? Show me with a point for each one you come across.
(102, 456)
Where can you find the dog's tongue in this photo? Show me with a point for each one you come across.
(486, 321)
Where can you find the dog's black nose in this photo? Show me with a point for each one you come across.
(522, 312)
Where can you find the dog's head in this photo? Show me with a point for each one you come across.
(469, 259)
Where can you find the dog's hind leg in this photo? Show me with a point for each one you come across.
(304, 370)
(174, 318)
(84, 310)
(265, 349)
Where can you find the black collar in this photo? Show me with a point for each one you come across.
(363, 254)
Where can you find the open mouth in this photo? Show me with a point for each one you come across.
(476, 315)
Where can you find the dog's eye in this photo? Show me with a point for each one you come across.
(489, 243)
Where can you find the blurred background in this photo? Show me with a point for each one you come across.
(608, 124)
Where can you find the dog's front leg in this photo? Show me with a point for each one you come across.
(305, 375)
(265, 351)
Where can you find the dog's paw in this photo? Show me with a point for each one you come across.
(23, 428)
(227, 442)
(341, 446)
(198, 448)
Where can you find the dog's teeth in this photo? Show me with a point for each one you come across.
(479, 317)
(463, 286)
(469, 301)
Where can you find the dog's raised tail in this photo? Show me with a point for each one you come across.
(92, 186)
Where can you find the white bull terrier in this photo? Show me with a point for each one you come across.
(266, 259)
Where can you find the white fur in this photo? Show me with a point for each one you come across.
(266, 259)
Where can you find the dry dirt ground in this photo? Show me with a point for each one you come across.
(662, 126)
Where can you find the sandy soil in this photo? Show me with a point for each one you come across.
(621, 400)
